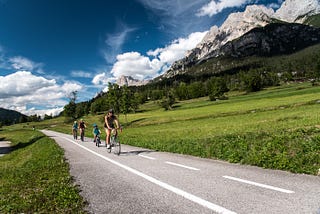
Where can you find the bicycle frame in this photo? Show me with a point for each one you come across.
(115, 144)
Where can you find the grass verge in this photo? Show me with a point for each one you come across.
(35, 177)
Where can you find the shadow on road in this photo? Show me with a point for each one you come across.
(136, 152)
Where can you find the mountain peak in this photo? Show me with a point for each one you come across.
(130, 81)
(297, 10)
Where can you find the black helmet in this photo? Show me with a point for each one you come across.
(110, 111)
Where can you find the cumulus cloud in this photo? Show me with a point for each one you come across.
(28, 93)
(133, 64)
(157, 61)
(214, 7)
(22, 83)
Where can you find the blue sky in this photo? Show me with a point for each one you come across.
(49, 48)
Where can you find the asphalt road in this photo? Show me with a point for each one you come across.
(145, 181)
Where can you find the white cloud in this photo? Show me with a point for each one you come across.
(30, 94)
(22, 63)
(176, 14)
(133, 64)
(22, 83)
(141, 67)
(82, 74)
(115, 41)
(214, 7)
(102, 79)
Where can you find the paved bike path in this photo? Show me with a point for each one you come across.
(145, 181)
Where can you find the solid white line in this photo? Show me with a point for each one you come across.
(259, 184)
(207, 204)
(144, 156)
(184, 166)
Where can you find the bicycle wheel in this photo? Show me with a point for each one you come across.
(117, 146)
(98, 142)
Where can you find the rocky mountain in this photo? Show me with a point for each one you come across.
(297, 11)
(238, 24)
(130, 81)
(273, 39)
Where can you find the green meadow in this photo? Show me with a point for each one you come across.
(277, 128)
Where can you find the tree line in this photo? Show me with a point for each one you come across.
(212, 79)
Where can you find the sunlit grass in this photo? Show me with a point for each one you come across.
(34, 176)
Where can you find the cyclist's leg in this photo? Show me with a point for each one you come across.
(108, 133)
(82, 134)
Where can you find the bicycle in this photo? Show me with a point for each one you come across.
(98, 141)
(114, 143)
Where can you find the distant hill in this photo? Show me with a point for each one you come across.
(8, 117)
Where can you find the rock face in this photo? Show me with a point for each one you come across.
(129, 81)
(297, 11)
(217, 42)
(273, 39)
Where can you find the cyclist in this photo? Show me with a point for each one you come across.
(96, 132)
(111, 122)
(82, 127)
(75, 130)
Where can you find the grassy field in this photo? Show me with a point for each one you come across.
(277, 128)
(34, 176)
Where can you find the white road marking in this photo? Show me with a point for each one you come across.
(184, 166)
(259, 184)
(144, 156)
(196, 199)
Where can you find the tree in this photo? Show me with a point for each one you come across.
(182, 91)
(252, 81)
(126, 101)
(168, 101)
(114, 97)
(70, 108)
(216, 86)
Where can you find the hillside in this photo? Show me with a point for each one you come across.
(8, 117)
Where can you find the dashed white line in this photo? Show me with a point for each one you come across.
(198, 200)
(184, 166)
(259, 184)
(144, 156)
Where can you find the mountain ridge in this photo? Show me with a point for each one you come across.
(237, 25)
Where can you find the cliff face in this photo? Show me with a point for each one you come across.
(273, 39)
